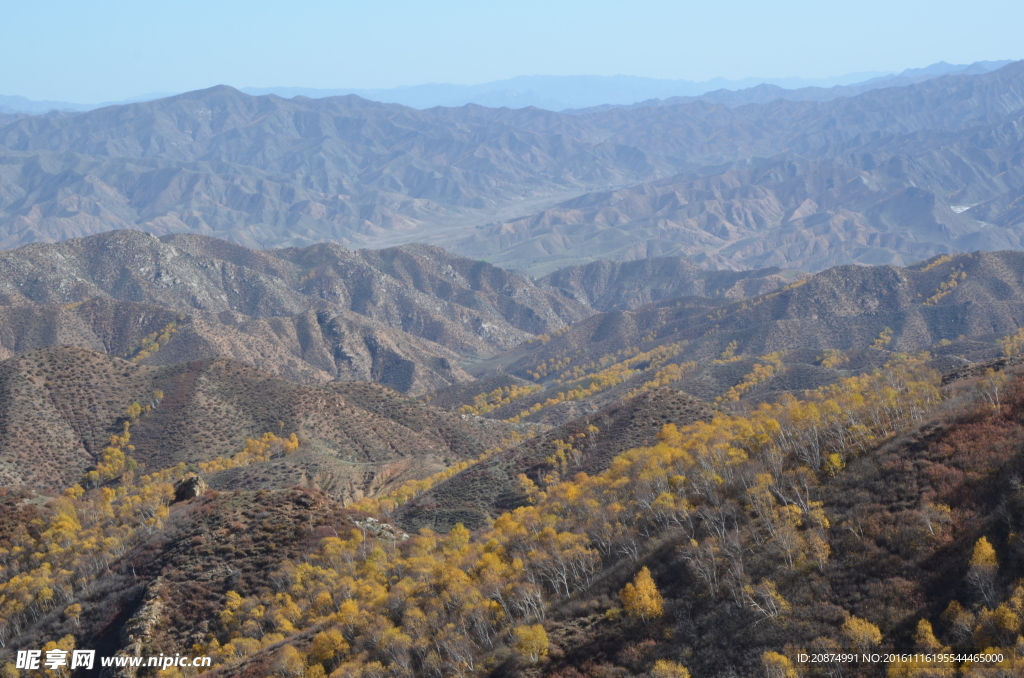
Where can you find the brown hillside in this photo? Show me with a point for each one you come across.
(103, 325)
(60, 405)
(422, 290)
(623, 285)
(842, 308)
(311, 347)
(58, 408)
(404, 316)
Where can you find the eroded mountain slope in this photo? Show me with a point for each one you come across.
(61, 405)
(404, 317)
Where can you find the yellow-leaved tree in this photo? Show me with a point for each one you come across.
(289, 662)
(531, 642)
(983, 570)
(777, 666)
(861, 634)
(664, 668)
(641, 598)
(73, 613)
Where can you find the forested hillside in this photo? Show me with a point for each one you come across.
(805, 334)
(877, 514)
(620, 483)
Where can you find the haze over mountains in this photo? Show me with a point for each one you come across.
(891, 175)
(558, 93)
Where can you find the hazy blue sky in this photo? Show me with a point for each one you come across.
(95, 51)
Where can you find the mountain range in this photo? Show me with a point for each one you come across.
(203, 320)
(569, 92)
(891, 175)
(185, 414)
(334, 388)
(404, 317)
(557, 93)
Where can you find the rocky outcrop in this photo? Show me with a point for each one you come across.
(189, 488)
(136, 634)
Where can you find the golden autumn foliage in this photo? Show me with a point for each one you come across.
(607, 360)
(883, 339)
(73, 613)
(268, 446)
(663, 377)
(778, 666)
(437, 605)
(1013, 344)
(769, 366)
(721, 491)
(612, 371)
(765, 600)
(531, 642)
(441, 601)
(152, 343)
(938, 261)
(86, 531)
(984, 567)
(411, 489)
(289, 663)
(641, 598)
(664, 668)
(728, 355)
(925, 643)
(946, 287)
(983, 555)
(861, 635)
(987, 630)
(833, 358)
(499, 397)
(925, 640)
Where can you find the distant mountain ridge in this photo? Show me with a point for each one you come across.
(23, 105)
(895, 174)
(558, 93)
(549, 92)
(768, 91)
(890, 176)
